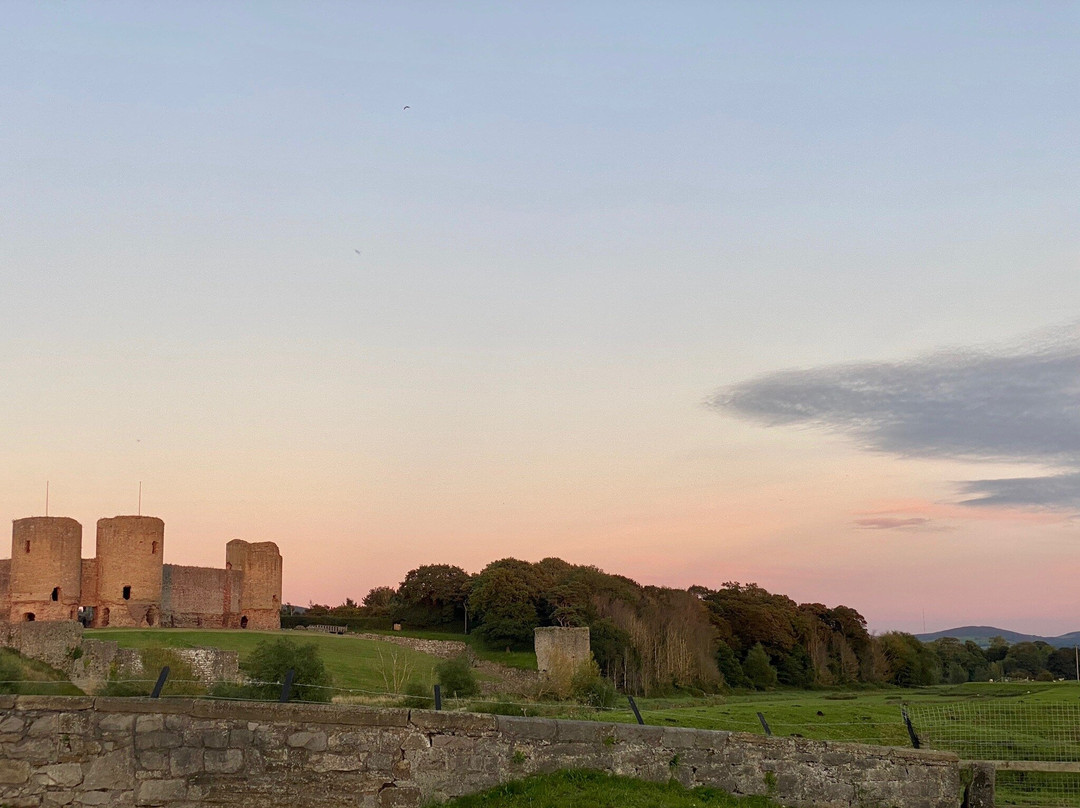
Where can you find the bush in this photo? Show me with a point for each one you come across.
(418, 696)
(589, 687)
(272, 659)
(456, 677)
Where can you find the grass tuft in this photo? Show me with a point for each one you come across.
(583, 788)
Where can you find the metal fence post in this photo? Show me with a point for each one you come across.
(156, 692)
(286, 687)
(633, 706)
(438, 697)
(764, 724)
(910, 729)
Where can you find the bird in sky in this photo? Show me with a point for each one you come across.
(406, 107)
(357, 252)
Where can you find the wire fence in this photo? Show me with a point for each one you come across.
(1035, 747)
(253, 690)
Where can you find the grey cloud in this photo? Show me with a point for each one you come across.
(891, 522)
(1057, 491)
(1020, 404)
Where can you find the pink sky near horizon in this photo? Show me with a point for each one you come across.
(340, 539)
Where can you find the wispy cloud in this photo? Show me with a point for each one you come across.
(892, 522)
(1017, 404)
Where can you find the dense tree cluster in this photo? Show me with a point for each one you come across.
(652, 639)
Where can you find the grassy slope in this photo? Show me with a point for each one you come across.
(30, 677)
(585, 789)
(512, 659)
(354, 664)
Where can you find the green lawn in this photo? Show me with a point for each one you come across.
(358, 667)
(588, 789)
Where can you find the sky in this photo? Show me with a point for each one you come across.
(695, 292)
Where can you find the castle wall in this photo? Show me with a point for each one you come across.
(193, 597)
(45, 576)
(5, 588)
(260, 563)
(129, 561)
(90, 582)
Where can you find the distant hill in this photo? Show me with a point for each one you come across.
(981, 636)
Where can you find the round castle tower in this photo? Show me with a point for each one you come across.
(129, 567)
(46, 568)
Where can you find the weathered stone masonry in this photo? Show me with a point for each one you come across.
(182, 753)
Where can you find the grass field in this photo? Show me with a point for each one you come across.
(864, 716)
(586, 789)
(357, 666)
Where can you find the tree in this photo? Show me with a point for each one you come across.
(379, 597)
(1025, 660)
(272, 659)
(758, 669)
(960, 662)
(999, 647)
(729, 666)
(1062, 663)
(432, 595)
(910, 663)
(503, 600)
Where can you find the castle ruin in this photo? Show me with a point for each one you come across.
(128, 584)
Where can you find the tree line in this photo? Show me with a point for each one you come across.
(651, 640)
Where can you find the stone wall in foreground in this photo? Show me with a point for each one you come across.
(179, 753)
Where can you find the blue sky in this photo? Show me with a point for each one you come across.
(238, 270)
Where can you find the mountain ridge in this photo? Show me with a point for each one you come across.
(981, 636)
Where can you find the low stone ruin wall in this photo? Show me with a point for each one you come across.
(178, 753)
(209, 665)
(53, 643)
(88, 663)
(445, 649)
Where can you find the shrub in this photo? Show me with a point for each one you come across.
(418, 696)
(456, 677)
(272, 659)
(582, 683)
(589, 687)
